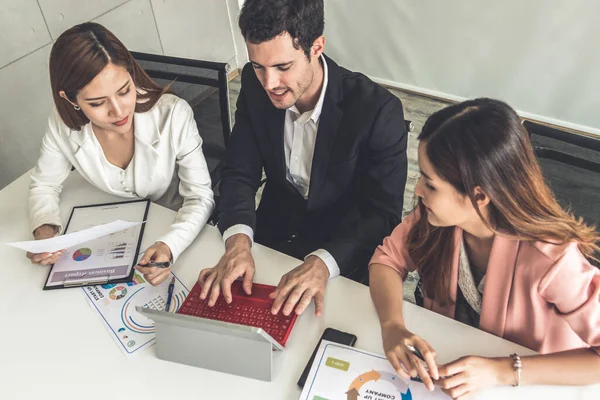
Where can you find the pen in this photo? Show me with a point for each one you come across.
(164, 264)
(415, 351)
(417, 354)
(170, 294)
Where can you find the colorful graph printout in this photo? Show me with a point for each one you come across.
(82, 254)
(104, 259)
(344, 373)
(115, 303)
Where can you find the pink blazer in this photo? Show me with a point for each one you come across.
(542, 296)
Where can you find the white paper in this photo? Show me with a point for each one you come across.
(115, 304)
(341, 372)
(73, 239)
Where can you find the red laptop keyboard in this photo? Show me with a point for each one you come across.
(253, 310)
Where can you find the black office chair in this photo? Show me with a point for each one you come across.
(570, 163)
(204, 85)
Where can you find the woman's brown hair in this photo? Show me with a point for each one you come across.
(78, 55)
(481, 143)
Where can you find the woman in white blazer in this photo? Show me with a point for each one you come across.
(125, 135)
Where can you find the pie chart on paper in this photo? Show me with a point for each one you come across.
(82, 254)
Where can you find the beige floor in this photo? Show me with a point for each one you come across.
(416, 109)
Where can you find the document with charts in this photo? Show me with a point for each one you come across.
(107, 259)
(344, 373)
(116, 303)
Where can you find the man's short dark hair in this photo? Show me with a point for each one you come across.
(263, 20)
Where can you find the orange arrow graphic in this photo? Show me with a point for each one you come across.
(364, 378)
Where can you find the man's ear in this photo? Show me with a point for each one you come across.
(62, 94)
(318, 47)
(481, 198)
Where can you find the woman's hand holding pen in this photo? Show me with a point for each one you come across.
(45, 231)
(159, 252)
(467, 376)
(397, 344)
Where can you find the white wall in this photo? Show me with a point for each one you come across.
(200, 29)
(241, 52)
(541, 56)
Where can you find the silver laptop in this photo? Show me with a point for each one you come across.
(219, 346)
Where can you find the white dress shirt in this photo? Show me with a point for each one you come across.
(167, 143)
(299, 138)
(117, 177)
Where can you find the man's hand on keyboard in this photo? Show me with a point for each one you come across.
(237, 261)
(300, 285)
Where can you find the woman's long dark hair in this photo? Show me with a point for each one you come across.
(481, 143)
(78, 55)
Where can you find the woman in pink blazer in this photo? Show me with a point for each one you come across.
(494, 250)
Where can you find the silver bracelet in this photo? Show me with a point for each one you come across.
(517, 365)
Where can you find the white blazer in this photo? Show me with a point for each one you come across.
(165, 137)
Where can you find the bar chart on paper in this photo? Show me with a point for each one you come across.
(120, 250)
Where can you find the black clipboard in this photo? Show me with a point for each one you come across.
(103, 279)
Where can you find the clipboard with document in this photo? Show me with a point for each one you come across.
(107, 259)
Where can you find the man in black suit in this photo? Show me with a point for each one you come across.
(332, 144)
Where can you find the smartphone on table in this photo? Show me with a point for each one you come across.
(332, 335)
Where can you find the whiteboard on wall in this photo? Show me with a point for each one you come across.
(540, 56)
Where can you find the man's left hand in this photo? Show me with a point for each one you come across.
(300, 285)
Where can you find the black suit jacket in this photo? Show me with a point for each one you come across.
(357, 178)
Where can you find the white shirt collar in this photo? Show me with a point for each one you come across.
(316, 112)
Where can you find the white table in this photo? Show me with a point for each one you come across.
(55, 346)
